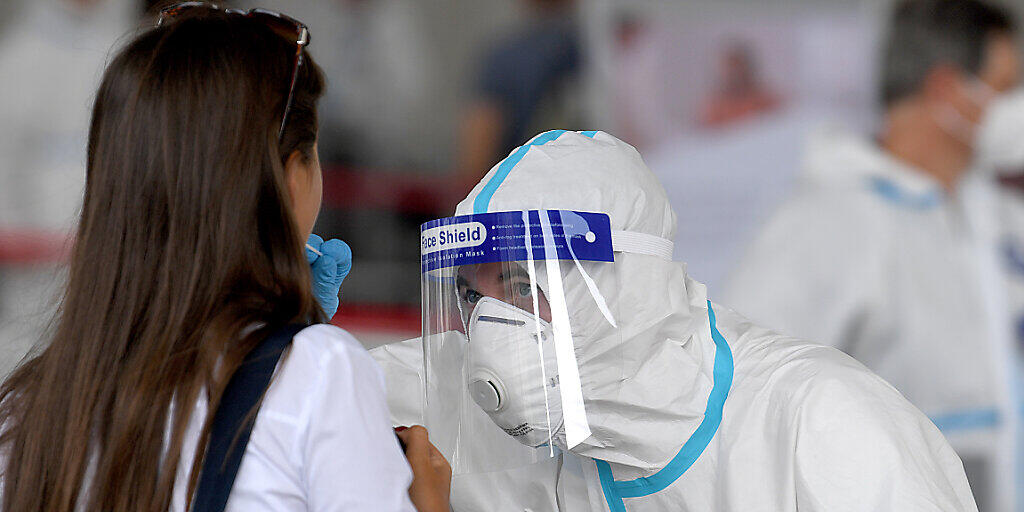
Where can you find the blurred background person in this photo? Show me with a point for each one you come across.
(889, 249)
(526, 80)
(814, 62)
(378, 58)
(740, 93)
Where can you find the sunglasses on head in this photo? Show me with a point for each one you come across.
(285, 26)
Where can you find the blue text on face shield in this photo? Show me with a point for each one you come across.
(460, 236)
(507, 236)
(453, 236)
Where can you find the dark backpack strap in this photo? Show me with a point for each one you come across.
(230, 431)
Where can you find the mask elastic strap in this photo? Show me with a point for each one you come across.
(642, 243)
(981, 93)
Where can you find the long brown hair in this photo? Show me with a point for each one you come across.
(186, 243)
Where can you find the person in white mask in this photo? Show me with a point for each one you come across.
(570, 364)
(895, 250)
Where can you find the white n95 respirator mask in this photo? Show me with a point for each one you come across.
(1000, 145)
(513, 371)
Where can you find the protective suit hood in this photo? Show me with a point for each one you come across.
(646, 392)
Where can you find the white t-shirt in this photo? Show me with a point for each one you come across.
(322, 440)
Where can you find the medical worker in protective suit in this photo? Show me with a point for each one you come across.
(904, 253)
(568, 364)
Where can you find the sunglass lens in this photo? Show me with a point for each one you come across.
(282, 26)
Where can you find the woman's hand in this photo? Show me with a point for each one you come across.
(431, 474)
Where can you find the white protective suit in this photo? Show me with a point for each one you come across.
(704, 410)
(873, 257)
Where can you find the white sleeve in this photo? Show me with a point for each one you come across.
(862, 446)
(351, 458)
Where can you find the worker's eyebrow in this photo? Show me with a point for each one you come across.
(515, 271)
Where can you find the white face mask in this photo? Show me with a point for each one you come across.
(509, 377)
(1001, 136)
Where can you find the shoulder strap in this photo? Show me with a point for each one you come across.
(230, 431)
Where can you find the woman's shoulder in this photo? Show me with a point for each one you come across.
(323, 360)
(328, 338)
(322, 434)
(331, 348)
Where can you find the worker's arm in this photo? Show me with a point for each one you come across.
(861, 446)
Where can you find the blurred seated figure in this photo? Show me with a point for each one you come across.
(739, 94)
(723, 181)
(521, 86)
(891, 249)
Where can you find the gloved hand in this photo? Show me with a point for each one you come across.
(329, 269)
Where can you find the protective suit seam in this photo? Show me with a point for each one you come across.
(891, 193)
(967, 419)
(483, 200)
(615, 491)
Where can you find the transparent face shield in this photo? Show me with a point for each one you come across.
(511, 301)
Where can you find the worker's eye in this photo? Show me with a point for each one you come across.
(523, 289)
(471, 296)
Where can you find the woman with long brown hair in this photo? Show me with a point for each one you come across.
(203, 182)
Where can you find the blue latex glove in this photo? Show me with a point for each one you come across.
(329, 269)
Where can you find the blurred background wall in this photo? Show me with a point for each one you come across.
(424, 97)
